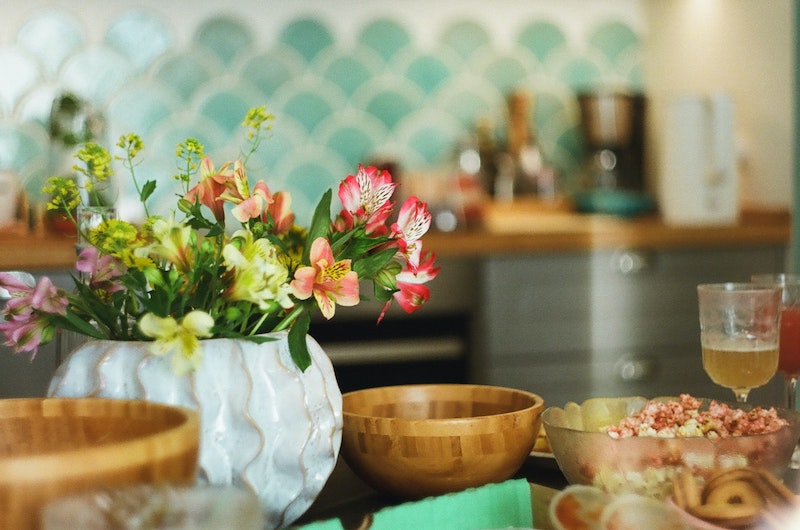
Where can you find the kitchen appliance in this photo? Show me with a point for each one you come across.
(698, 182)
(612, 123)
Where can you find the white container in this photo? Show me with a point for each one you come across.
(698, 181)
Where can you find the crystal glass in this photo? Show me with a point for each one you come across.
(739, 330)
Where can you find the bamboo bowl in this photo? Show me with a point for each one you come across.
(58, 446)
(414, 441)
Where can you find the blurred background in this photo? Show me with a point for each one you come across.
(477, 101)
(407, 83)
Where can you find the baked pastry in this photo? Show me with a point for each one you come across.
(734, 498)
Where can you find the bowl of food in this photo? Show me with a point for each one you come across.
(53, 447)
(636, 445)
(414, 441)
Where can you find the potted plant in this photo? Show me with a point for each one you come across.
(204, 306)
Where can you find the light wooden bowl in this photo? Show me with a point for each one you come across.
(57, 446)
(414, 441)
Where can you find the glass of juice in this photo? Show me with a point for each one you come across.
(789, 348)
(739, 331)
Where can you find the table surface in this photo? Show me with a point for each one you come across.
(349, 499)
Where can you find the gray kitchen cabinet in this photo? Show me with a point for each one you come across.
(570, 326)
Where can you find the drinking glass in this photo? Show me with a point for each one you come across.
(739, 330)
(789, 345)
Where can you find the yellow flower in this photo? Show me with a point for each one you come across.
(112, 235)
(64, 194)
(181, 339)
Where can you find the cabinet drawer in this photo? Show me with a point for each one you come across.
(659, 375)
(551, 304)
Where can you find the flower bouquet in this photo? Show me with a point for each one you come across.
(187, 276)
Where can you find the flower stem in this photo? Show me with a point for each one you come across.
(289, 319)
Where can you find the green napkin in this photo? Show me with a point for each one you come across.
(503, 505)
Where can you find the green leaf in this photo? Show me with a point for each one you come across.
(147, 190)
(369, 266)
(320, 223)
(73, 322)
(298, 347)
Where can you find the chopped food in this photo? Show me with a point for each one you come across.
(683, 418)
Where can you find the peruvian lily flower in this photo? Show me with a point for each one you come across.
(413, 222)
(259, 276)
(331, 282)
(366, 199)
(27, 325)
(411, 291)
(103, 270)
(249, 204)
(44, 297)
(182, 339)
(410, 296)
(172, 241)
(210, 188)
(279, 208)
(26, 335)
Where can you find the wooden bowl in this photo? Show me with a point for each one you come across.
(414, 441)
(57, 446)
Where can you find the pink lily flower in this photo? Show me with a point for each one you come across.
(412, 292)
(249, 204)
(411, 296)
(366, 199)
(331, 282)
(279, 209)
(25, 335)
(44, 297)
(26, 324)
(103, 270)
(13, 284)
(420, 265)
(210, 188)
(413, 222)
(253, 206)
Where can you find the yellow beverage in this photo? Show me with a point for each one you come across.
(740, 369)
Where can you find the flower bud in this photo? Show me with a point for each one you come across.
(387, 276)
(233, 314)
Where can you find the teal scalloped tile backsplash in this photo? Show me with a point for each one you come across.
(336, 103)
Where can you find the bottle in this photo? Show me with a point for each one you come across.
(487, 153)
(531, 175)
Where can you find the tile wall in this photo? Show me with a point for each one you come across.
(337, 101)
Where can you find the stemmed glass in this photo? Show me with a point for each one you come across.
(789, 348)
(739, 324)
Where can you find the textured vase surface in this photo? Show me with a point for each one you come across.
(265, 424)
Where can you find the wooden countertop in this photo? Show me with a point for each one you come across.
(524, 232)
(508, 230)
(35, 251)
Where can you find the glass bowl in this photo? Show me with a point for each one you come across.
(646, 465)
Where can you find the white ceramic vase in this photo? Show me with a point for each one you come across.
(265, 424)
